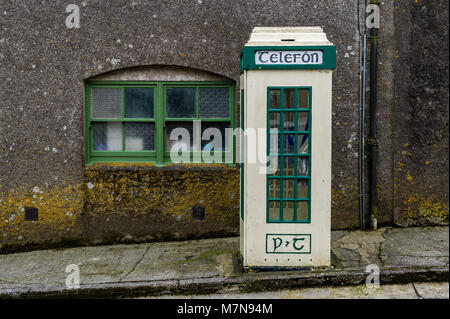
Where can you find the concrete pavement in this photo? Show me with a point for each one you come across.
(403, 255)
(423, 290)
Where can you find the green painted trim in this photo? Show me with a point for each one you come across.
(296, 156)
(242, 170)
(148, 83)
(158, 156)
(247, 60)
(289, 253)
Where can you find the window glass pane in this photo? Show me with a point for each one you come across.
(274, 166)
(274, 99)
(288, 146)
(288, 210)
(303, 144)
(289, 121)
(106, 103)
(274, 120)
(209, 137)
(288, 166)
(303, 123)
(139, 136)
(107, 136)
(289, 101)
(180, 102)
(303, 98)
(185, 141)
(288, 188)
(274, 188)
(214, 102)
(302, 188)
(302, 210)
(139, 102)
(302, 166)
(274, 210)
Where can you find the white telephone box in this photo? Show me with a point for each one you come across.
(286, 85)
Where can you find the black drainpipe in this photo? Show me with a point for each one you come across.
(372, 142)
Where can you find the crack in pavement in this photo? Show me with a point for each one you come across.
(137, 262)
(417, 293)
(380, 258)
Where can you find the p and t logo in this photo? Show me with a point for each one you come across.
(73, 279)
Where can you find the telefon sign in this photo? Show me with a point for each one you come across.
(289, 57)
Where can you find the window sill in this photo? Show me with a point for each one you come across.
(119, 166)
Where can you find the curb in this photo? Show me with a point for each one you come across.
(245, 283)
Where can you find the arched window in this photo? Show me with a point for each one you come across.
(142, 114)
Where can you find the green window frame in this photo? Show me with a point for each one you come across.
(158, 155)
(289, 187)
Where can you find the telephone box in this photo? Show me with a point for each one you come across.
(286, 89)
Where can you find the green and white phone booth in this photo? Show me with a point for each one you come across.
(286, 90)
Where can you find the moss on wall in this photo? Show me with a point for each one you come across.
(126, 203)
(59, 208)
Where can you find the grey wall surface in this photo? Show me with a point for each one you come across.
(43, 66)
(421, 108)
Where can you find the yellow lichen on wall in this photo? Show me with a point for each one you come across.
(432, 210)
(345, 200)
(345, 196)
(58, 209)
(419, 208)
(170, 192)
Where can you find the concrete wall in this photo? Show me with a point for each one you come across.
(43, 66)
(420, 132)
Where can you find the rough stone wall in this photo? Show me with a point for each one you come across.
(421, 113)
(43, 66)
(141, 202)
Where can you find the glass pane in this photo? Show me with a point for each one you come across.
(289, 101)
(274, 210)
(107, 136)
(274, 166)
(303, 144)
(288, 146)
(302, 210)
(302, 188)
(106, 103)
(274, 188)
(302, 166)
(214, 102)
(288, 166)
(289, 121)
(182, 137)
(208, 140)
(288, 210)
(139, 136)
(288, 188)
(303, 98)
(303, 123)
(180, 102)
(139, 102)
(274, 120)
(274, 99)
